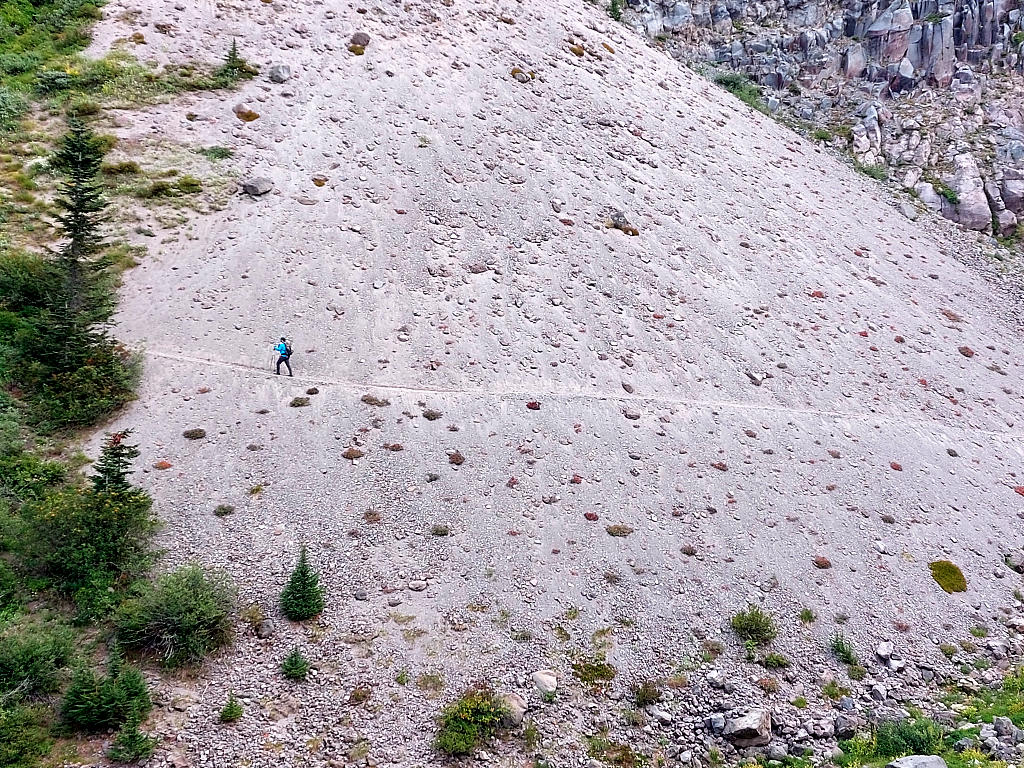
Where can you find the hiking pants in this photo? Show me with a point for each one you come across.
(283, 359)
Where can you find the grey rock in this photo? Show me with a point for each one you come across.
(545, 680)
(265, 629)
(417, 585)
(515, 708)
(750, 729)
(715, 722)
(279, 73)
(257, 186)
(918, 761)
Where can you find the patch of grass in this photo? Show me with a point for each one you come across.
(948, 650)
(402, 678)
(979, 631)
(800, 702)
(216, 153)
(439, 529)
(468, 723)
(432, 682)
(600, 747)
(32, 657)
(593, 671)
(822, 134)
(774, 661)
(753, 625)
(877, 172)
(842, 648)
(743, 89)
(834, 690)
(807, 616)
(948, 576)
(620, 531)
(223, 510)
(645, 693)
(856, 672)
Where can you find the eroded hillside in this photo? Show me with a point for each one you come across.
(779, 391)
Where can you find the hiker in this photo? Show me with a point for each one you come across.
(284, 351)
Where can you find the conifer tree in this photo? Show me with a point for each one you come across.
(82, 303)
(115, 463)
(302, 598)
(295, 666)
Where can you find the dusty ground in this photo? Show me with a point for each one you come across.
(768, 372)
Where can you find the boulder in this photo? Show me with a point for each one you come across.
(279, 73)
(546, 681)
(257, 186)
(515, 708)
(265, 629)
(751, 729)
(918, 761)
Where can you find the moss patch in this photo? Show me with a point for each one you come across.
(948, 576)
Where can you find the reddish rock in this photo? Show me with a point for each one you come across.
(817, 294)
(576, 479)
(966, 351)
(820, 561)
(162, 465)
(721, 466)
(896, 465)
(512, 482)
(1020, 489)
(533, 405)
(456, 458)
(591, 516)
(899, 340)
(862, 333)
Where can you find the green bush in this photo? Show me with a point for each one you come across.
(919, 736)
(302, 597)
(468, 723)
(295, 666)
(12, 106)
(131, 745)
(646, 693)
(743, 89)
(93, 703)
(774, 661)
(877, 172)
(24, 736)
(181, 618)
(90, 542)
(83, 396)
(754, 626)
(33, 656)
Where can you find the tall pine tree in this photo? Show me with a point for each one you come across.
(82, 302)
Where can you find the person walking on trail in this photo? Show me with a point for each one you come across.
(284, 351)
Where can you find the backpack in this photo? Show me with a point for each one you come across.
(287, 349)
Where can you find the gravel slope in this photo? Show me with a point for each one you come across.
(778, 366)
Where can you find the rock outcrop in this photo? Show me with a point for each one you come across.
(930, 89)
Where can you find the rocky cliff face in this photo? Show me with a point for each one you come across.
(932, 90)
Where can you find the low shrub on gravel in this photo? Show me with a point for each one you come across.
(303, 597)
(181, 618)
(94, 703)
(754, 626)
(466, 724)
(917, 736)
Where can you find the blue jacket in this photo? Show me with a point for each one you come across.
(282, 349)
